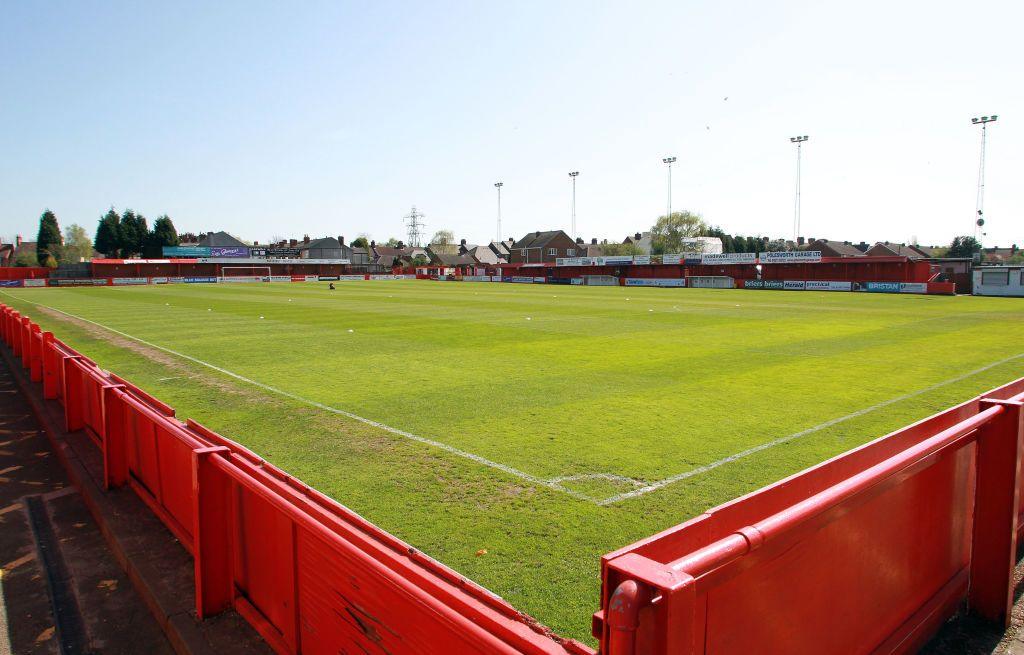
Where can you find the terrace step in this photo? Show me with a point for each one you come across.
(121, 541)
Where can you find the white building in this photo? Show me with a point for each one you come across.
(999, 281)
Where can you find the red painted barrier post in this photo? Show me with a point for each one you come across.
(115, 440)
(26, 341)
(211, 533)
(35, 360)
(1000, 445)
(73, 394)
(51, 360)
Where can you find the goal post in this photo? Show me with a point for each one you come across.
(244, 274)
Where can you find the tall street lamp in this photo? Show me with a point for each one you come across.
(980, 205)
(668, 161)
(572, 176)
(798, 140)
(498, 186)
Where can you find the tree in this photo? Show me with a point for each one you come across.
(77, 246)
(668, 233)
(360, 242)
(163, 234)
(25, 258)
(133, 233)
(393, 242)
(443, 243)
(777, 245)
(108, 234)
(964, 247)
(615, 249)
(49, 240)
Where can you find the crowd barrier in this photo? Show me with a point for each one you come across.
(868, 552)
(310, 575)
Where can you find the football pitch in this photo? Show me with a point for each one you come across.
(518, 432)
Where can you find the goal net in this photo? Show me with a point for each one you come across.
(244, 274)
(710, 282)
(601, 280)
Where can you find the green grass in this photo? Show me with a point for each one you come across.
(633, 382)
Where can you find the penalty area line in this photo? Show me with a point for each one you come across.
(660, 484)
(504, 468)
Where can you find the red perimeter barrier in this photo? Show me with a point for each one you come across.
(308, 574)
(868, 552)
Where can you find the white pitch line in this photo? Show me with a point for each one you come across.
(654, 486)
(551, 484)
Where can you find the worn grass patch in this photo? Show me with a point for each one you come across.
(602, 391)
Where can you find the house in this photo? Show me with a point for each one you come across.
(642, 240)
(543, 247)
(359, 256)
(480, 254)
(220, 240)
(956, 270)
(325, 248)
(1000, 255)
(10, 252)
(834, 248)
(886, 249)
(500, 248)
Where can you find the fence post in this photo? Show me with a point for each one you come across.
(73, 419)
(49, 362)
(1000, 444)
(211, 533)
(16, 334)
(115, 442)
(35, 359)
(26, 341)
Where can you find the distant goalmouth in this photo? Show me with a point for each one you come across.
(244, 274)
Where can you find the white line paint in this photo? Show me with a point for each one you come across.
(654, 486)
(551, 484)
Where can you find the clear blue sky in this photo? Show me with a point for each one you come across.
(273, 119)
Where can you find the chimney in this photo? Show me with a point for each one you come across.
(401, 245)
(341, 240)
(593, 241)
(579, 240)
(637, 236)
(799, 241)
(293, 243)
(209, 234)
(511, 241)
(255, 243)
(305, 239)
(17, 241)
(373, 243)
(537, 233)
(463, 242)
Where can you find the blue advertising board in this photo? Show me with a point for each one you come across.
(186, 251)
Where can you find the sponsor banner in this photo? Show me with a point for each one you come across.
(34, 283)
(199, 280)
(913, 287)
(10, 283)
(793, 285)
(186, 251)
(125, 281)
(616, 260)
(753, 284)
(655, 282)
(672, 259)
(689, 259)
(310, 278)
(823, 285)
(577, 280)
(882, 287)
(327, 278)
(158, 280)
(402, 277)
(281, 278)
(791, 256)
(233, 251)
(642, 259)
(522, 279)
(476, 278)
(764, 284)
(577, 261)
(712, 259)
(275, 252)
(298, 278)
(243, 278)
(80, 282)
(351, 278)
